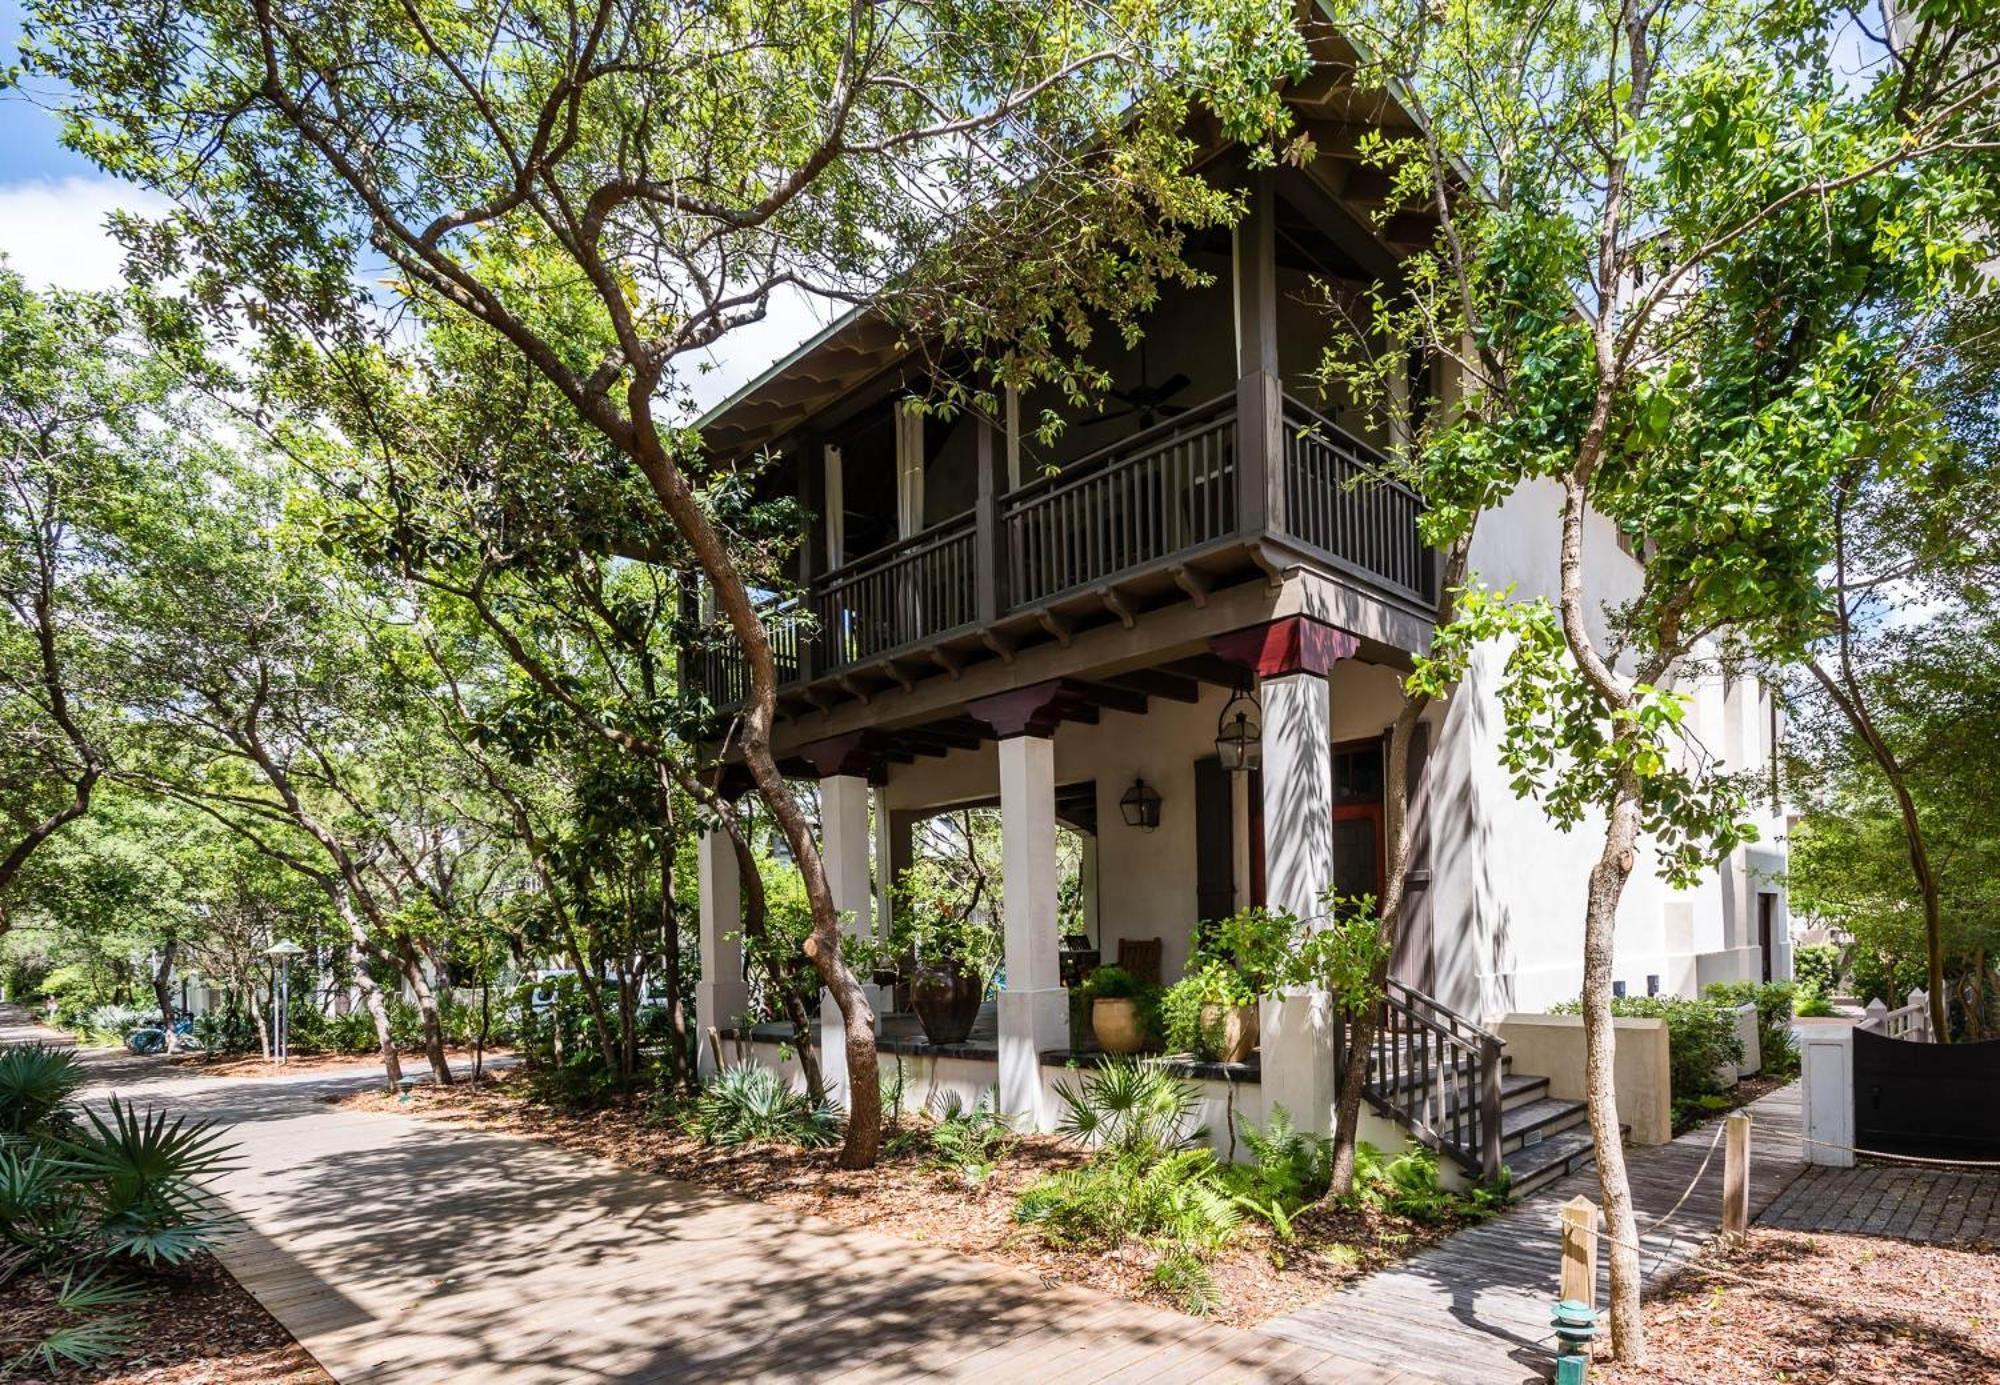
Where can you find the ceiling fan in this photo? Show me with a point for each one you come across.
(1150, 403)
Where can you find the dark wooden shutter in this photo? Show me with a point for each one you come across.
(1414, 961)
(1214, 841)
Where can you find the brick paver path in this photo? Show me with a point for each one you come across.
(1906, 1202)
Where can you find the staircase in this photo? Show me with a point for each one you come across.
(1447, 1081)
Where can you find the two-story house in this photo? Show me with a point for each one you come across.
(1058, 628)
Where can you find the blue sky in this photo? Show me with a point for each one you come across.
(53, 205)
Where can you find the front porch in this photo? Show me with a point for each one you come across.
(1064, 751)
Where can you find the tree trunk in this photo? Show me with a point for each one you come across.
(593, 994)
(803, 1036)
(378, 1010)
(427, 1007)
(163, 992)
(753, 738)
(257, 1017)
(1607, 885)
(1847, 695)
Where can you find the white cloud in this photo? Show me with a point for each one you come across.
(747, 352)
(53, 231)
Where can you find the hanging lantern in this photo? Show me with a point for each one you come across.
(1140, 807)
(1239, 732)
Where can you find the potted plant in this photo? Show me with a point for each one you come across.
(954, 945)
(1211, 1015)
(1118, 1009)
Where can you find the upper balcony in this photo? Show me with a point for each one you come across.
(1171, 511)
(937, 544)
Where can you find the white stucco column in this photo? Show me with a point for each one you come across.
(1033, 1007)
(843, 815)
(1297, 1028)
(721, 994)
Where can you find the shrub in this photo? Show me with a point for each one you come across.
(1816, 966)
(36, 1084)
(1172, 1197)
(1141, 1184)
(747, 1104)
(1289, 1169)
(1777, 1053)
(125, 1186)
(1407, 1185)
(22, 975)
(113, 1022)
(1814, 1006)
(967, 1141)
(1181, 1006)
(1701, 1037)
(141, 1176)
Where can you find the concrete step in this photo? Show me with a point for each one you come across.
(1536, 1166)
(1539, 1165)
(1530, 1123)
(1516, 1089)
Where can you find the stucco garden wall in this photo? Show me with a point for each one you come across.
(1552, 1046)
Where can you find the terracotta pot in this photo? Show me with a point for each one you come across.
(1116, 1024)
(946, 1000)
(1238, 1026)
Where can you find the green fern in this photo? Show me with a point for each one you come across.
(1185, 1276)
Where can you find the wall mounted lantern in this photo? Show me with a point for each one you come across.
(1140, 807)
(1239, 732)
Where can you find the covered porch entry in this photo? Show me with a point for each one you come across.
(1073, 752)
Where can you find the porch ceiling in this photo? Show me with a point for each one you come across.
(1112, 665)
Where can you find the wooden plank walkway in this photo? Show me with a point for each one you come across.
(1475, 1309)
(398, 1249)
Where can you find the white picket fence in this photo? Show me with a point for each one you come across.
(1912, 1021)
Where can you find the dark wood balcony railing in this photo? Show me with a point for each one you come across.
(915, 590)
(1138, 503)
(1164, 491)
(725, 673)
(1339, 500)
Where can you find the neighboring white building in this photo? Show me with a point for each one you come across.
(1042, 627)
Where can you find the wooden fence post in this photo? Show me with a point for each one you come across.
(1736, 1176)
(1579, 1266)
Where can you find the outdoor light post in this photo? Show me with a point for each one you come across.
(281, 954)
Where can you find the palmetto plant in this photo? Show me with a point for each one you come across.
(141, 1175)
(746, 1103)
(93, 1333)
(36, 1084)
(1131, 1107)
(74, 1194)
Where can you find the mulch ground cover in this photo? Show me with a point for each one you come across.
(195, 1326)
(1257, 1278)
(1799, 1309)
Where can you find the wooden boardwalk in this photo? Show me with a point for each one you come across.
(398, 1249)
(1475, 1309)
